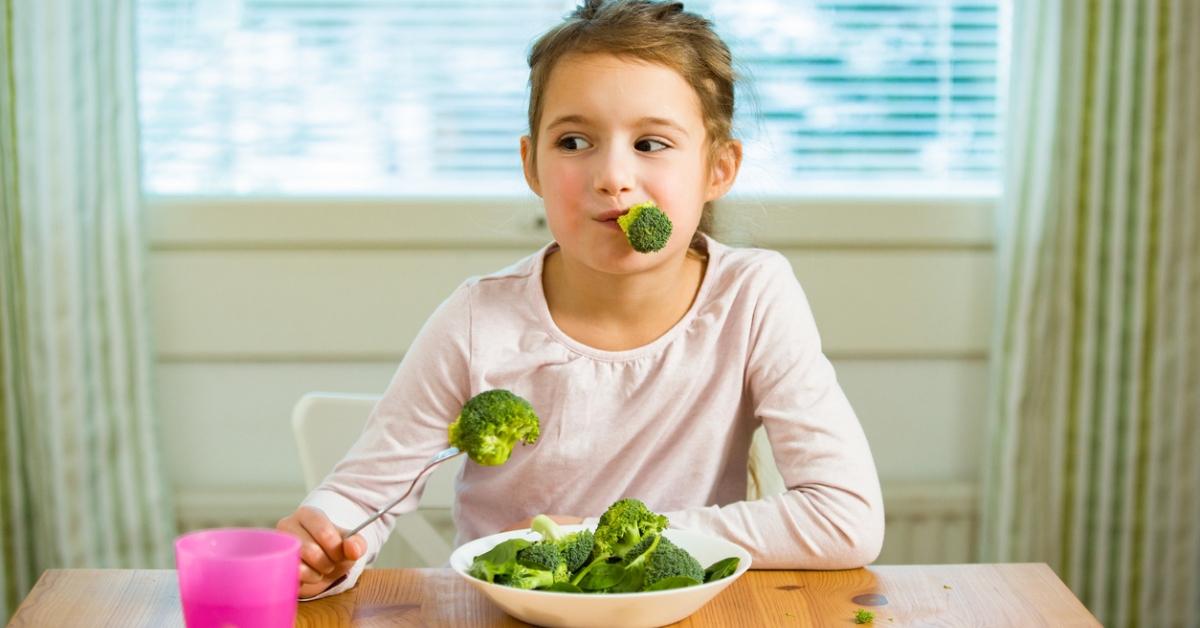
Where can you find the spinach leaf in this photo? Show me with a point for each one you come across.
(721, 569)
(498, 561)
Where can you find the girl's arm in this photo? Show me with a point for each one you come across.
(831, 516)
(406, 427)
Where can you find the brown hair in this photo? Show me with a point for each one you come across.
(654, 32)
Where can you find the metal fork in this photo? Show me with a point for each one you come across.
(440, 457)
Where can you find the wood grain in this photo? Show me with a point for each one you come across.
(1025, 595)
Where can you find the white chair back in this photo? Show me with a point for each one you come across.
(325, 426)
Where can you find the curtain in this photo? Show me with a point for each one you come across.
(1094, 451)
(82, 481)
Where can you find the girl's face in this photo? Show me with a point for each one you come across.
(614, 133)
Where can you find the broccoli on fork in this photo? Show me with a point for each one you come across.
(491, 423)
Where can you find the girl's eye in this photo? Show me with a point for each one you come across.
(650, 146)
(573, 143)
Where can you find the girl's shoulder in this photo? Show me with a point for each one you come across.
(749, 266)
(518, 273)
(504, 290)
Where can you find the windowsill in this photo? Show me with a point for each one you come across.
(246, 222)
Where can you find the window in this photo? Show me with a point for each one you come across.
(425, 97)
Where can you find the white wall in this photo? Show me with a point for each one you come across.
(256, 302)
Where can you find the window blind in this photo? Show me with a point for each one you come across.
(420, 97)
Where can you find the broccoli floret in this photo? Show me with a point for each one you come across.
(668, 560)
(636, 563)
(647, 542)
(646, 227)
(539, 565)
(623, 525)
(525, 577)
(626, 525)
(575, 547)
(491, 423)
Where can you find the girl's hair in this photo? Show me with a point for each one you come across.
(654, 32)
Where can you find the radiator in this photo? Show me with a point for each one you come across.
(935, 522)
(928, 523)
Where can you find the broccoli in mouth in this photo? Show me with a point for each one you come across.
(646, 227)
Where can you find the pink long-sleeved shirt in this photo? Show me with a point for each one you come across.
(669, 423)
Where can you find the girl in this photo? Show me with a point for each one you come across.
(650, 372)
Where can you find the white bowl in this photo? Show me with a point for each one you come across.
(584, 610)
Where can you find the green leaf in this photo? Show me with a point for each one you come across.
(631, 581)
(564, 587)
(500, 560)
(674, 582)
(721, 569)
(602, 577)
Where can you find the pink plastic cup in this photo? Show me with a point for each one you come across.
(241, 577)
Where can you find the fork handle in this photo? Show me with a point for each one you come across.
(440, 457)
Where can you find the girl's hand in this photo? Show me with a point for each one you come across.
(324, 556)
(561, 520)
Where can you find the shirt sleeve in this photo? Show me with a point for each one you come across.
(404, 430)
(831, 516)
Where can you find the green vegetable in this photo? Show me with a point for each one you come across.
(541, 565)
(498, 561)
(600, 576)
(864, 617)
(627, 553)
(721, 569)
(575, 548)
(636, 564)
(671, 561)
(626, 524)
(491, 423)
(646, 227)
(623, 525)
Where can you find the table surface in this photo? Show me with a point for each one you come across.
(899, 595)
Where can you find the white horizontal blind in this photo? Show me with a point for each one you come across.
(407, 97)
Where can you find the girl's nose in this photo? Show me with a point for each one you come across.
(614, 174)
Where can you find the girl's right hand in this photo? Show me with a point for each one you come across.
(324, 555)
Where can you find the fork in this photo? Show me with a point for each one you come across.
(440, 457)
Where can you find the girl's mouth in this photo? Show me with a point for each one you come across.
(612, 214)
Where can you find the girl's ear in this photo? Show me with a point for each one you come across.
(528, 165)
(726, 164)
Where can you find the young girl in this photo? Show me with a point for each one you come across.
(650, 372)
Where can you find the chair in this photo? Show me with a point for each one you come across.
(327, 424)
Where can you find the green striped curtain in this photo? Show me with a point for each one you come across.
(1094, 460)
(82, 483)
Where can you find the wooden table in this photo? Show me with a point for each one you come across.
(934, 595)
